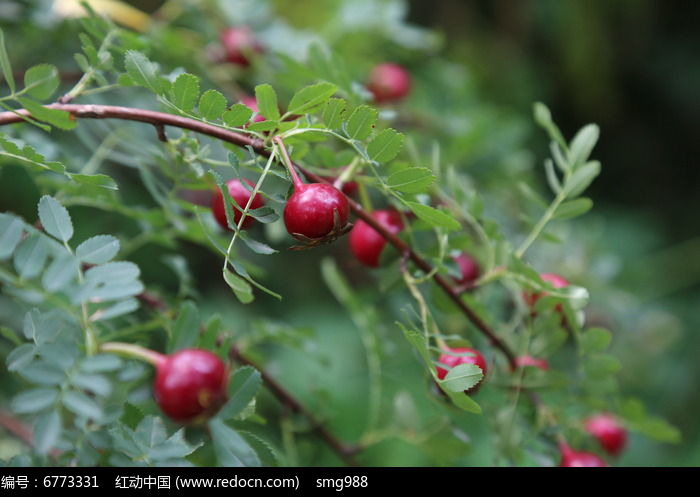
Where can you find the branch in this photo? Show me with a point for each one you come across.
(345, 452)
(154, 118)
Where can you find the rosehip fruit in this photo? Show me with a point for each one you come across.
(574, 459)
(190, 385)
(366, 244)
(238, 45)
(451, 360)
(526, 360)
(315, 210)
(608, 431)
(389, 82)
(252, 104)
(555, 280)
(468, 268)
(240, 194)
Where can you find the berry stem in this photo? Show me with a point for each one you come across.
(347, 174)
(131, 351)
(298, 183)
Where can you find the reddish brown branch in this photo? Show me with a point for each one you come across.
(155, 118)
(344, 451)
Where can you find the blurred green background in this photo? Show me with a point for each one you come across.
(631, 67)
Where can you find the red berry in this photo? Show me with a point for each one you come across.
(526, 360)
(609, 433)
(451, 360)
(468, 268)
(573, 459)
(555, 280)
(239, 44)
(240, 194)
(252, 104)
(190, 385)
(389, 82)
(366, 244)
(310, 210)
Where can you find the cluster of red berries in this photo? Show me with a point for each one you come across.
(609, 433)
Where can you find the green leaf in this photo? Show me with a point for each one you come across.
(61, 271)
(94, 383)
(98, 249)
(113, 272)
(267, 102)
(256, 246)
(552, 177)
(240, 287)
(385, 146)
(41, 81)
(581, 178)
(463, 377)
(237, 116)
(142, 71)
(361, 122)
(311, 98)
(42, 373)
(212, 105)
(334, 113)
(419, 342)
(47, 431)
(573, 208)
(186, 329)
(118, 309)
(20, 357)
(28, 154)
(582, 145)
(464, 402)
(31, 256)
(433, 216)
(595, 340)
(411, 180)
(55, 218)
(5, 63)
(34, 400)
(82, 405)
(231, 449)
(243, 386)
(59, 118)
(11, 229)
(185, 91)
(101, 363)
(99, 180)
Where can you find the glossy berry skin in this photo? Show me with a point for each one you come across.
(309, 211)
(608, 431)
(241, 195)
(190, 385)
(389, 82)
(252, 104)
(366, 244)
(451, 360)
(573, 459)
(238, 45)
(526, 360)
(468, 268)
(555, 280)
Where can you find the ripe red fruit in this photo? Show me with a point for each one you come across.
(526, 360)
(389, 82)
(190, 385)
(608, 431)
(241, 195)
(252, 104)
(238, 45)
(451, 360)
(555, 280)
(315, 210)
(468, 268)
(366, 244)
(574, 459)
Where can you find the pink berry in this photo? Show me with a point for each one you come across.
(574, 459)
(526, 360)
(389, 82)
(451, 360)
(366, 244)
(241, 195)
(468, 268)
(608, 431)
(238, 45)
(310, 210)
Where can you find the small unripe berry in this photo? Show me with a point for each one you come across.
(366, 244)
(240, 194)
(313, 209)
(468, 268)
(608, 431)
(389, 82)
(238, 45)
(190, 385)
(451, 360)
